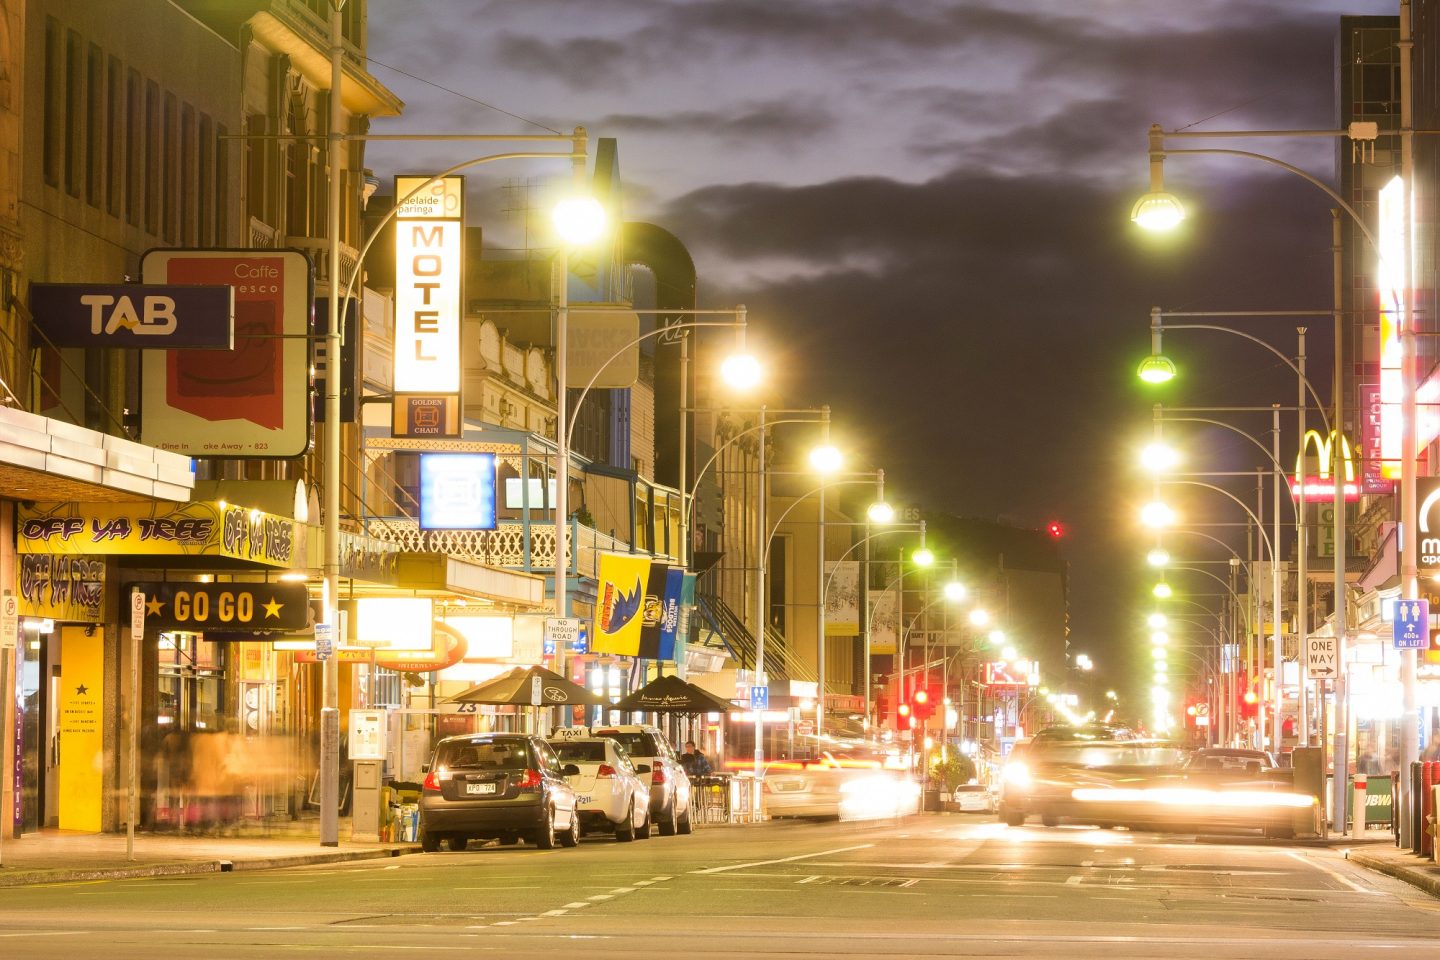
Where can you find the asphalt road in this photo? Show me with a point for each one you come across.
(927, 886)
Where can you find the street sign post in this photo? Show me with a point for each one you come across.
(759, 698)
(324, 641)
(1322, 658)
(1412, 624)
(137, 634)
(562, 631)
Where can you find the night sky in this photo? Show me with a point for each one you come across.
(925, 206)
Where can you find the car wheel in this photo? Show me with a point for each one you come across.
(642, 832)
(1012, 818)
(685, 826)
(457, 843)
(571, 837)
(667, 824)
(429, 842)
(625, 829)
(545, 836)
(1050, 820)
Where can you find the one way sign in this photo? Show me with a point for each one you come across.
(1412, 624)
(1322, 659)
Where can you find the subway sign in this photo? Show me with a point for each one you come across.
(197, 607)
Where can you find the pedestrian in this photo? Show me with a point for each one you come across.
(694, 763)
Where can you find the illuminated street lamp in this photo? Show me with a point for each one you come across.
(880, 512)
(826, 459)
(1157, 514)
(1156, 620)
(741, 371)
(923, 557)
(1160, 638)
(1162, 590)
(954, 590)
(979, 617)
(1158, 457)
(1158, 557)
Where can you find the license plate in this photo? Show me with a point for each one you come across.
(583, 798)
(479, 788)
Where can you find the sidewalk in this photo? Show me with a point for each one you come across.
(1400, 864)
(57, 856)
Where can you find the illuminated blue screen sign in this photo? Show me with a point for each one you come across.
(457, 491)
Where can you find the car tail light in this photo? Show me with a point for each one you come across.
(605, 770)
(529, 780)
(657, 774)
(432, 781)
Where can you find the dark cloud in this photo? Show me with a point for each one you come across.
(986, 342)
(781, 123)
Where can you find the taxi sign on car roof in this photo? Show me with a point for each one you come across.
(570, 733)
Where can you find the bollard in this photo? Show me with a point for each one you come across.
(1361, 784)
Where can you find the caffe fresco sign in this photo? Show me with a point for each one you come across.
(198, 529)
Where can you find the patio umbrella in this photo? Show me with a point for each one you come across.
(673, 695)
(515, 688)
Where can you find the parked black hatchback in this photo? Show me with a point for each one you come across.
(504, 786)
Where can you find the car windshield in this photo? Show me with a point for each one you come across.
(483, 755)
(1252, 760)
(637, 743)
(1103, 754)
(580, 751)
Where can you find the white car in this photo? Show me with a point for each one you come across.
(659, 768)
(609, 794)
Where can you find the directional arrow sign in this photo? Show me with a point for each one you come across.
(1322, 658)
(1412, 624)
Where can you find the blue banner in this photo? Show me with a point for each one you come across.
(670, 611)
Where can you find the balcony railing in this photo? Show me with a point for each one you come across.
(505, 545)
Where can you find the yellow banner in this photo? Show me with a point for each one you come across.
(82, 740)
(619, 599)
(198, 529)
(62, 588)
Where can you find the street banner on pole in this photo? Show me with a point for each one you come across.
(621, 595)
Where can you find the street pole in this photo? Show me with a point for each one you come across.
(1302, 586)
(1277, 637)
(1339, 789)
(820, 610)
(330, 669)
(760, 601)
(1409, 466)
(562, 442)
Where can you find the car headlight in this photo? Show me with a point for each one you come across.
(1016, 774)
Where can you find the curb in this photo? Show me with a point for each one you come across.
(66, 875)
(1426, 880)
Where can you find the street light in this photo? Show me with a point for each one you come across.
(579, 220)
(980, 617)
(1162, 590)
(880, 512)
(1156, 515)
(826, 459)
(1160, 638)
(1158, 457)
(1158, 557)
(923, 557)
(741, 371)
(1156, 621)
(954, 590)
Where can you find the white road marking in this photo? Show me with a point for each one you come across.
(603, 896)
(810, 879)
(1335, 874)
(623, 890)
(47, 933)
(576, 905)
(532, 887)
(803, 856)
(551, 913)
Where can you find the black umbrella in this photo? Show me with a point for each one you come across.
(516, 688)
(673, 695)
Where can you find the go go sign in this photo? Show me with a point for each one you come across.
(226, 606)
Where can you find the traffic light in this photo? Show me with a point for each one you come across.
(922, 703)
(1056, 529)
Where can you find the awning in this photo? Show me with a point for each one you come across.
(44, 459)
(516, 688)
(673, 695)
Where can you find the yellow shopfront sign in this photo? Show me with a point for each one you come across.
(199, 529)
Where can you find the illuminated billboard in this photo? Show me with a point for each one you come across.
(1012, 673)
(457, 491)
(1390, 280)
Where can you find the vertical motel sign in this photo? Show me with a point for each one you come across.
(429, 264)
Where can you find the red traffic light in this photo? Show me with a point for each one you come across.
(903, 709)
(1056, 529)
(921, 696)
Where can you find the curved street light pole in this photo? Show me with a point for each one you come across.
(1275, 585)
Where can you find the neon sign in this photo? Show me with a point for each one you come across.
(1321, 487)
(1390, 283)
